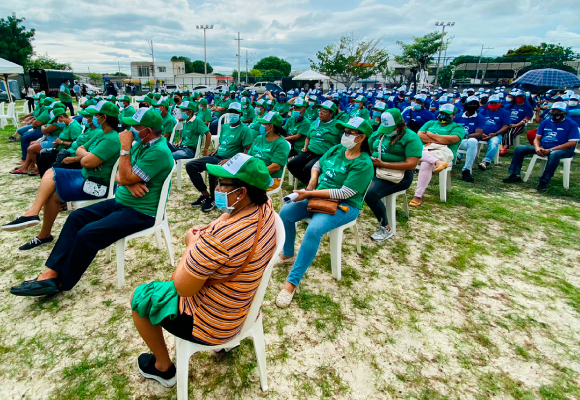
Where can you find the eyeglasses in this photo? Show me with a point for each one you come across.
(349, 132)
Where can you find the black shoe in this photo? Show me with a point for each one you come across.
(466, 176)
(47, 287)
(35, 242)
(11, 138)
(542, 187)
(483, 166)
(512, 179)
(207, 205)
(199, 201)
(146, 365)
(21, 223)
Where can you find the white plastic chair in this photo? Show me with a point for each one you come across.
(82, 101)
(73, 205)
(444, 183)
(252, 328)
(23, 110)
(215, 139)
(180, 163)
(172, 137)
(390, 203)
(482, 143)
(161, 226)
(567, 168)
(9, 115)
(279, 188)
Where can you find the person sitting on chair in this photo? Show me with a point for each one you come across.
(212, 288)
(193, 130)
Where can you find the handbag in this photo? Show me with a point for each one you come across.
(323, 206)
(95, 188)
(214, 282)
(388, 174)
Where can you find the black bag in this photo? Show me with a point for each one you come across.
(412, 124)
(62, 154)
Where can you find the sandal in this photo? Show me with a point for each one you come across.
(34, 173)
(413, 203)
(18, 172)
(440, 168)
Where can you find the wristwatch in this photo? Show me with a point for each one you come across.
(125, 152)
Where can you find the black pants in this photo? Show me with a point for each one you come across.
(380, 188)
(45, 161)
(88, 230)
(182, 327)
(196, 167)
(68, 104)
(301, 166)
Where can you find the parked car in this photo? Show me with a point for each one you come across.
(201, 88)
(222, 88)
(258, 87)
(170, 87)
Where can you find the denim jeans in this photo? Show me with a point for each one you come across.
(320, 224)
(553, 160)
(27, 138)
(492, 148)
(470, 147)
(24, 129)
(381, 188)
(213, 126)
(181, 153)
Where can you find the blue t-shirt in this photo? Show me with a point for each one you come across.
(420, 116)
(495, 120)
(519, 112)
(403, 105)
(470, 124)
(575, 118)
(556, 133)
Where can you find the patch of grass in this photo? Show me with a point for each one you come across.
(327, 314)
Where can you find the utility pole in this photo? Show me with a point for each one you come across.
(204, 27)
(442, 25)
(239, 57)
(247, 61)
(446, 46)
(479, 59)
(150, 43)
(119, 65)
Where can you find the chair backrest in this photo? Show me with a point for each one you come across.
(199, 142)
(224, 119)
(164, 197)
(82, 100)
(261, 291)
(10, 111)
(2, 108)
(172, 137)
(112, 180)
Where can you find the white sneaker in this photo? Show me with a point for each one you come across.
(382, 234)
(284, 298)
(280, 260)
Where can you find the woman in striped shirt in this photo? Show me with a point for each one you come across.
(213, 282)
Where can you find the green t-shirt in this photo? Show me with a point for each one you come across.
(191, 132)
(342, 117)
(204, 115)
(106, 146)
(338, 171)
(298, 128)
(64, 98)
(127, 112)
(276, 151)
(282, 108)
(323, 136)
(234, 140)
(69, 133)
(311, 113)
(248, 113)
(255, 125)
(409, 145)
(168, 124)
(152, 164)
(452, 128)
(37, 111)
(360, 112)
(44, 117)
(225, 103)
(82, 139)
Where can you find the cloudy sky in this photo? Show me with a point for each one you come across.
(105, 35)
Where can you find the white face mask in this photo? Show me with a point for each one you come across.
(348, 141)
(573, 103)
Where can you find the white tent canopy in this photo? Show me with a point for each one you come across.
(311, 75)
(8, 69)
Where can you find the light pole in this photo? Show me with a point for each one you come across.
(150, 43)
(204, 27)
(442, 25)
(479, 60)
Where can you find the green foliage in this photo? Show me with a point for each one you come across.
(470, 59)
(282, 67)
(192, 66)
(420, 53)
(119, 74)
(351, 59)
(45, 62)
(95, 78)
(16, 42)
(256, 73)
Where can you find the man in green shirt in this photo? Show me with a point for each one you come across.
(235, 137)
(281, 106)
(193, 129)
(248, 112)
(297, 126)
(64, 96)
(271, 147)
(162, 108)
(143, 169)
(203, 113)
(126, 110)
(358, 109)
(260, 111)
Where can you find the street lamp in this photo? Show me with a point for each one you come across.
(204, 27)
(442, 25)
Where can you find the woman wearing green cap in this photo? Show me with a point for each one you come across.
(343, 173)
(378, 108)
(358, 108)
(297, 126)
(203, 113)
(193, 129)
(209, 296)
(396, 148)
(63, 185)
(260, 111)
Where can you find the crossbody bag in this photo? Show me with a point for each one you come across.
(388, 174)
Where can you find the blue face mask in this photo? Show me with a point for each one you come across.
(158, 110)
(296, 114)
(263, 130)
(416, 107)
(135, 134)
(355, 106)
(85, 122)
(221, 201)
(282, 99)
(96, 122)
(376, 114)
(60, 124)
(406, 99)
(234, 118)
(311, 103)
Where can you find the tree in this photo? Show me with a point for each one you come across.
(463, 59)
(119, 74)
(274, 63)
(186, 60)
(16, 42)
(256, 73)
(95, 78)
(351, 59)
(45, 62)
(543, 56)
(198, 67)
(420, 53)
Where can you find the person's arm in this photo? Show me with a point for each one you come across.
(273, 168)
(478, 134)
(187, 285)
(409, 164)
(207, 143)
(423, 135)
(443, 139)
(269, 94)
(90, 161)
(48, 129)
(567, 145)
(125, 175)
(36, 123)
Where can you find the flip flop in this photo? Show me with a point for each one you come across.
(440, 168)
(18, 172)
(34, 173)
(413, 203)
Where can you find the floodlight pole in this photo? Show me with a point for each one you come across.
(479, 60)
(204, 27)
(442, 25)
(150, 43)
(239, 58)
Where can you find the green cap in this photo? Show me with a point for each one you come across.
(203, 102)
(124, 98)
(146, 117)
(84, 112)
(244, 101)
(380, 105)
(106, 108)
(360, 99)
(358, 124)
(246, 93)
(260, 103)
(329, 105)
(164, 103)
(187, 105)
(145, 99)
(157, 96)
(299, 102)
(48, 101)
(271, 118)
(447, 109)
(389, 120)
(246, 168)
(111, 98)
(55, 113)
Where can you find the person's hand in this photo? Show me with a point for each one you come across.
(376, 162)
(213, 153)
(546, 152)
(485, 137)
(126, 139)
(191, 236)
(222, 162)
(68, 160)
(302, 195)
(304, 149)
(57, 141)
(138, 189)
(206, 153)
(540, 151)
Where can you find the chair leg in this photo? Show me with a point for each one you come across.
(121, 262)
(158, 240)
(182, 366)
(357, 238)
(443, 186)
(260, 347)
(178, 167)
(449, 181)
(530, 168)
(336, 251)
(391, 205)
(295, 183)
(167, 238)
(496, 158)
(108, 253)
(567, 171)
(405, 204)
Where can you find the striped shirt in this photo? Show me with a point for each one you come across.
(219, 311)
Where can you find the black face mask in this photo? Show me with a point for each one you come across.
(471, 108)
(558, 117)
(483, 101)
(176, 99)
(143, 105)
(232, 96)
(444, 118)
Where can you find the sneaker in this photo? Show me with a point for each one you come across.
(207, 205)
(483, 166)
(284, 298)
(146, 365)
(512, 179)
(466, 176)
(21, 223)
(199, 201)
(35, 242)
(382, 234)
(11, 138)
(542, 186)
(279, 260)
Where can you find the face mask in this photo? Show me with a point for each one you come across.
(158, 110)
(444, 118)
(176, 99)
(135, 132)
(376, 114)
(520, 100)
(509, 99)
(221, 201)
(406, 98)
(494, 106)
(417, 107)
(263, 130)
(558, 117)
(96, 122)
(311, 103)
(85, 122)
(471, 108)
(348, 141)
(60, 124)
(234, 118)
(185, 115)
(281, 99)
(36, 103)
(296, 114)
(355, 106)
(572, 103)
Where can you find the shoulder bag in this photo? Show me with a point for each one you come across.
(388, 174)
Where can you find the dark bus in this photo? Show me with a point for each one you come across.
(48, 80)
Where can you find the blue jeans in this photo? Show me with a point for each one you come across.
(492, 147)
(470, 147)
(27, 138)
(213, 126)
(320, 224)
(181, 153)
(24, 129)
(553, 160)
